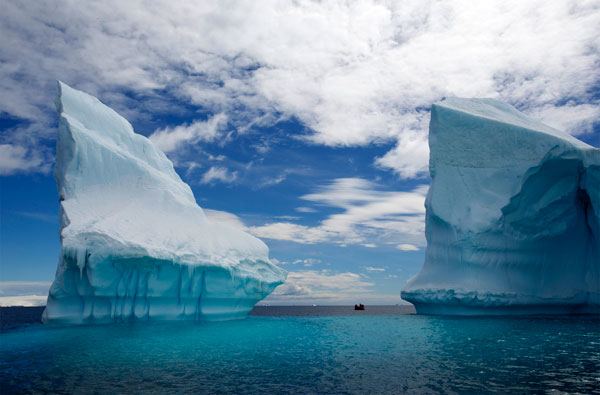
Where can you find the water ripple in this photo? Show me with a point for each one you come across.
(341, 355)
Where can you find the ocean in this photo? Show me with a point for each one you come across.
(304, 349)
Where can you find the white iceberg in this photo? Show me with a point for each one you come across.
(512, 221)
(135, 245)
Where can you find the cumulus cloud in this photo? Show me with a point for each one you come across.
(374, 269)
(314, 286)
(370, 215)
(354, 72)
(15, 158)
(410, 157)
(218, 173)
(23, 293)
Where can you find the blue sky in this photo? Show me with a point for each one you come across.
(303, 123)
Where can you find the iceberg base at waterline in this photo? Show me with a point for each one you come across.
(117, 290)
(135, 244)
(450, 302)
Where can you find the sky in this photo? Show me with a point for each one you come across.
(304, 123)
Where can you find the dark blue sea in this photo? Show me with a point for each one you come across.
(304, 350)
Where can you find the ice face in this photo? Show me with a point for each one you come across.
(512, 221)
(135, 245)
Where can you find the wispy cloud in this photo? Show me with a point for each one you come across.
(374, 269)
(170, 139)
(307, 262)
(305, 210)
(218, 174)
(292, 232)
(370, 215)
(273, 180)
(51, 218)
(352, 72)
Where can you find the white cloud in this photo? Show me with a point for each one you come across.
(325, 280)
(170, 139)
(310, 285)
(278, 262)
(374, 269)
(306, 262)
(15, 158)
(218, 173)
(226, 218)
(577, 118)
(292, 232)
(325, 287)
(410, 157)
(407, 247)
(218, 158)
(305, 210)
(287, 217)
(353, 72)
(369, 215)
(23, 300)
(23, 293)
(273, 180)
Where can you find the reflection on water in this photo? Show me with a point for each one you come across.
(340, 354)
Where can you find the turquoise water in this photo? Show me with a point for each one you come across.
(341, 354)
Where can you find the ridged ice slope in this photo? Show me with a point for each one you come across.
(135, 245)
(512, 221)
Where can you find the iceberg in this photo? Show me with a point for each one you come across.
(135, 245)
(512, 216)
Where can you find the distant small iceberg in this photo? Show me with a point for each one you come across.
(513, 216)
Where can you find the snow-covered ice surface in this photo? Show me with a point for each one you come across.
(513, 216)
(135, 245)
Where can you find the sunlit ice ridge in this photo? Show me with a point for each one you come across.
(512, 216)
(135, 245)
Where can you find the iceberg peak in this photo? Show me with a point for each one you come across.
(135, 245)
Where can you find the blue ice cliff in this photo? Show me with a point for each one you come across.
(513, 216)
(135, 245)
